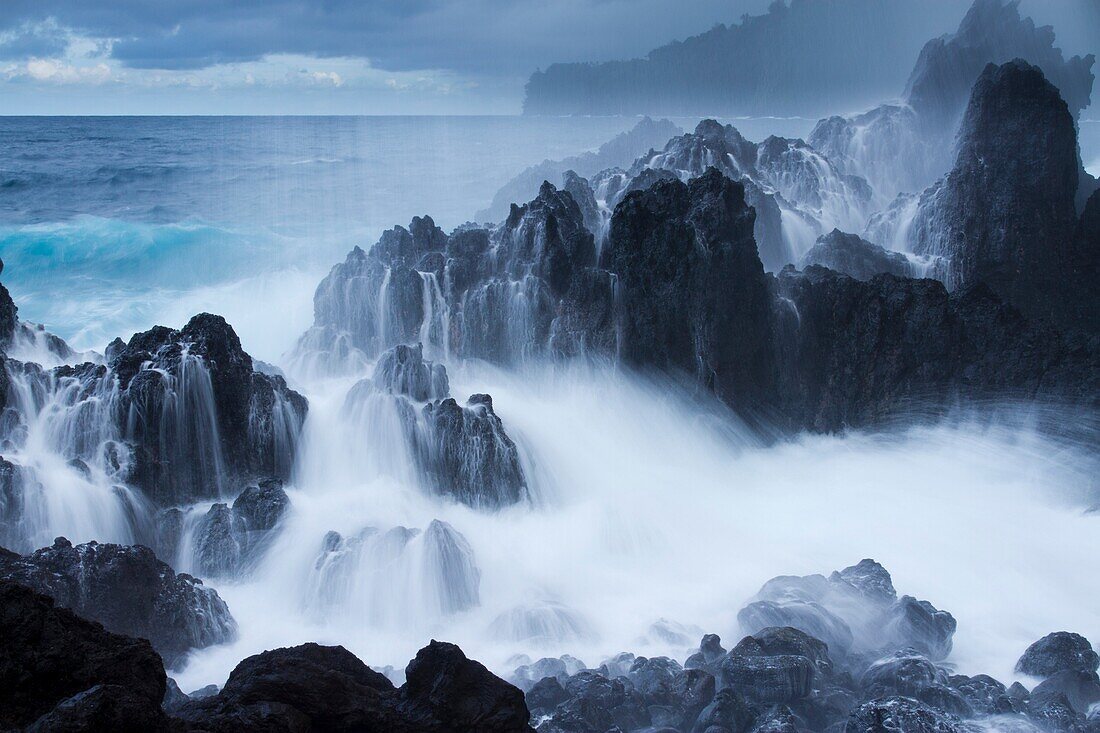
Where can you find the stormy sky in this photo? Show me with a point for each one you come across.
(355, 56)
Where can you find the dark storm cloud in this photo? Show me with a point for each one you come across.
(479, 37)
(508, 36)
(29, 41)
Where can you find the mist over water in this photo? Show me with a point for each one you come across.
(648, 502)
(650, 505)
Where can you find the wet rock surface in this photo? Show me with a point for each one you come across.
(198, 417)
(856, 257)
(129, 591)
(61, 672)
(1058, 652)
(1006, 214)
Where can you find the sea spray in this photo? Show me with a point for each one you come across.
(656, 505)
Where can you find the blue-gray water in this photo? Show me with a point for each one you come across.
(109, 224)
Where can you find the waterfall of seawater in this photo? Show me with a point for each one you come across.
(650, 505)
(61, 433)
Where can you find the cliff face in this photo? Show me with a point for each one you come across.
(798, 58)
(902, 147)
(1005, 215)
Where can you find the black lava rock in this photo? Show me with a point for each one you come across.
(67, 673)
(129, 591)
(1058, 652)
(855, 256)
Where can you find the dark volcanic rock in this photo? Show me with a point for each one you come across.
(900, 715)
(1080, 689)
(466, 454)
(852, 353)
(695, 297)
(596, 703)
(869, 578)
(460, 693)
(769, 679)
(129, 591)
(228, 541)
(318, 687)
(403, 371)
(1006, 213)
(709, 655)
(260, 507)
(1056, 653)
(910, 674)
(198, 417)
(311, 687)
(985, 695)
(855, 256)
(71, 673)
(901, 147)
(581, 192)
(783, 641)
(728, 713)
(922, 626)
(809, 617)
(544, 696)
(9, 316)
(525, 288)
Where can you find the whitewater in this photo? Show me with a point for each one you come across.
(654, 514)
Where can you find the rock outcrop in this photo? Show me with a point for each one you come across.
(197, 416)
(1005, 214)
(229, 541)
(460, 451)
(797, 193)
(1060, 651)
(619, 152)
(694, 294)
(327, 688)
(61, 672)
(129, 591)
(526, 288)
(900, 147)
(852, 255)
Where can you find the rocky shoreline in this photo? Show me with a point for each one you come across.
(841, 653)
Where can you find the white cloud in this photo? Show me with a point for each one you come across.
(54, 71)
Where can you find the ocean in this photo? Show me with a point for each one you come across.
(651, 513)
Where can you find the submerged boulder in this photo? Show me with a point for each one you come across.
(129, 591)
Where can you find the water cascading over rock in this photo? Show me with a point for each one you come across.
(460, 452)
(94, 449)
(900, 147)
(391, 577)
(798, 194)
(1006, 215)
(200, 420)
(523, 289)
